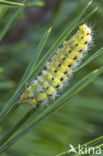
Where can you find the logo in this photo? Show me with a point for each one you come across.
(84, 149)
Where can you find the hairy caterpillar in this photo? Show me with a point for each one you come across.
(61, 65)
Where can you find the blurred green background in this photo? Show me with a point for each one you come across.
(82, 119)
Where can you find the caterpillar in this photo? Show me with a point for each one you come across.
(56, 71)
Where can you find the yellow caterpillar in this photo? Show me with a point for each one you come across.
(61, 65)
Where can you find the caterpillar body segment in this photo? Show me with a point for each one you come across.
(52, 79)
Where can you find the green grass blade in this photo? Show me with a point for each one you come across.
(14, 4)
(30, 67)
(56, 104)
(11, 3)
(8, 25)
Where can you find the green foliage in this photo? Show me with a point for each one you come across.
(80, 119)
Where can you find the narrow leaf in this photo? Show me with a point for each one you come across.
(8, 25)
(11, 3)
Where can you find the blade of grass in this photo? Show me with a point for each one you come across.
(8, 25)
(32, 63)
(11, 3)
(57, 104)
(69, 29)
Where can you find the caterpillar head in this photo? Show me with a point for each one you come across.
(84, 29)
